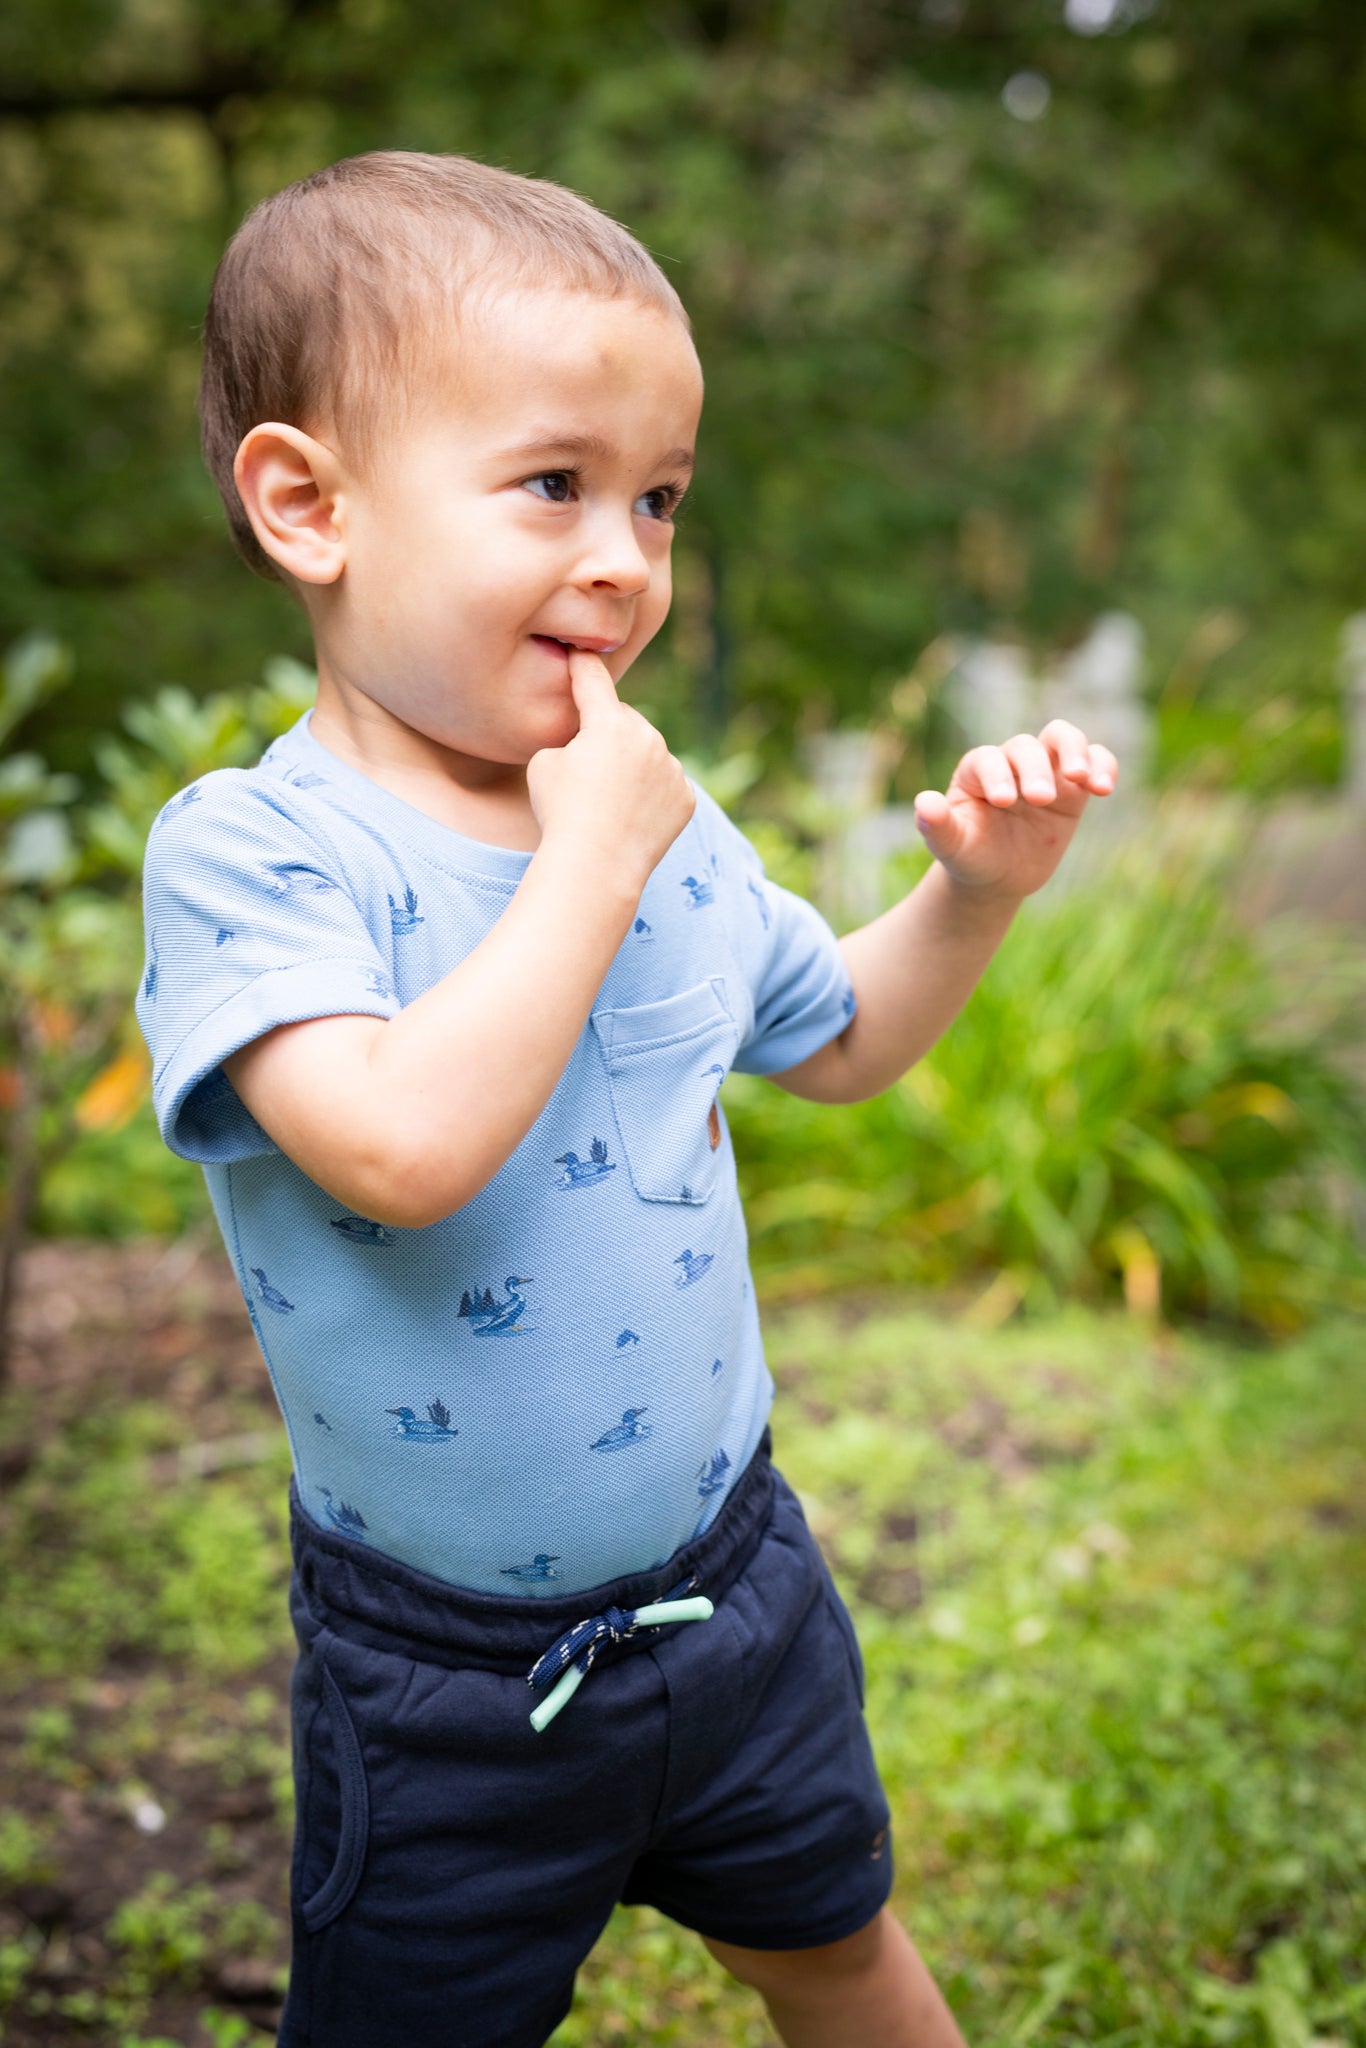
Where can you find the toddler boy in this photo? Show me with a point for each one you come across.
(441, 994)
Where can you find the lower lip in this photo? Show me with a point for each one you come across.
(563, 651)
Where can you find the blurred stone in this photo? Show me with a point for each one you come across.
(990, 693)
(1354, 710)
(1098, 686)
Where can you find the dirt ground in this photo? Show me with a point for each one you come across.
(160, 1772)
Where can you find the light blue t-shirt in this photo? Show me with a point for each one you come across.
(559, 1383)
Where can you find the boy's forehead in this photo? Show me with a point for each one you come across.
(532, 370)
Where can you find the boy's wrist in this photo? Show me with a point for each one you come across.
(987, 903)
(608, 875)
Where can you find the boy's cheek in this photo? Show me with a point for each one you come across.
(648, 623)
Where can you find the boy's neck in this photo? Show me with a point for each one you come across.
(483, 800)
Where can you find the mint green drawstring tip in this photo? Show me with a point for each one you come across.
(697, 1608)
(542, 1716)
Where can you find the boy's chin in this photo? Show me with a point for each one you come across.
(555, 726)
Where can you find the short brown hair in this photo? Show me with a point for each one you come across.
(328, 289)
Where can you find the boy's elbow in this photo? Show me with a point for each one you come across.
(406, 1186)
(828, 1075)
(832, 1090)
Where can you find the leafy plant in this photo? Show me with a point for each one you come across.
(65, 959)
(72, 1061)
(1134, 1101)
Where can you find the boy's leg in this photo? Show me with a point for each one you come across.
(870, 1990)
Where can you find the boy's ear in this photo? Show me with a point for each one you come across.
(290, 487)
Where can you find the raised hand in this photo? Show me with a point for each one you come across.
(1010, 811)
(615, 789)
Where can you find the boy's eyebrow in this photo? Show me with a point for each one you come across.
(582, 447)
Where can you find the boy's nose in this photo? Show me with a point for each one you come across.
(615, 560)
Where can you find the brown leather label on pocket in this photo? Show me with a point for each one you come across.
(714, 1126)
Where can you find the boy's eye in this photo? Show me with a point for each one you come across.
(662, 502)
(556, 486)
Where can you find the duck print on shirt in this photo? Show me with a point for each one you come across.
(308, 780)
(405, 920)
(585, 1173)
(700, 894)
(539, 1568)
(289, 878)
(435, 1429)
(761, 902)
(322, 1420)
(630, 1430)
(345, 1519)
(643, 932)
(378, 984)
(272, 1296)
(489, 1318)
(180, 803)
(694, 1265)
(715, 1367)
(361, 1230)
(712, 1478)
(627, 1337)
(149, 979)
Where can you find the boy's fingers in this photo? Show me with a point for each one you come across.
(1104, 770)
(1034, 770)
(986, 772)
(1067, 745)
(594, 690)
(941, 831)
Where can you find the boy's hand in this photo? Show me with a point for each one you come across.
(615, 787)
(1011, 811)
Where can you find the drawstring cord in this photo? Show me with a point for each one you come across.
(571, 1657)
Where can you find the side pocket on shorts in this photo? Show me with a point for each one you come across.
(336, 1797)
(845, 1623)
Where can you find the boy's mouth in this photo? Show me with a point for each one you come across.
(594, 645)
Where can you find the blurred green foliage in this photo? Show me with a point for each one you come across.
(1140, 1095)
(73, 1069)
(967, 370)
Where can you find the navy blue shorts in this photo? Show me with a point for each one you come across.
(452, 1868)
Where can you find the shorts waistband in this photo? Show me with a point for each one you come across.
(389, 1605)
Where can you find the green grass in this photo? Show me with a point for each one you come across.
(1111, 1588)
(1112, 1602)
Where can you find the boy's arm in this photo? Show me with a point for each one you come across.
(997, 837)
(405, 1119)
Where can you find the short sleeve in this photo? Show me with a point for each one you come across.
(249, 923)
(798, 982)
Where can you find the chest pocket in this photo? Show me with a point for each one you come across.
(665, 1062)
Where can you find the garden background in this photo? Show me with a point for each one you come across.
(1017, 315)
